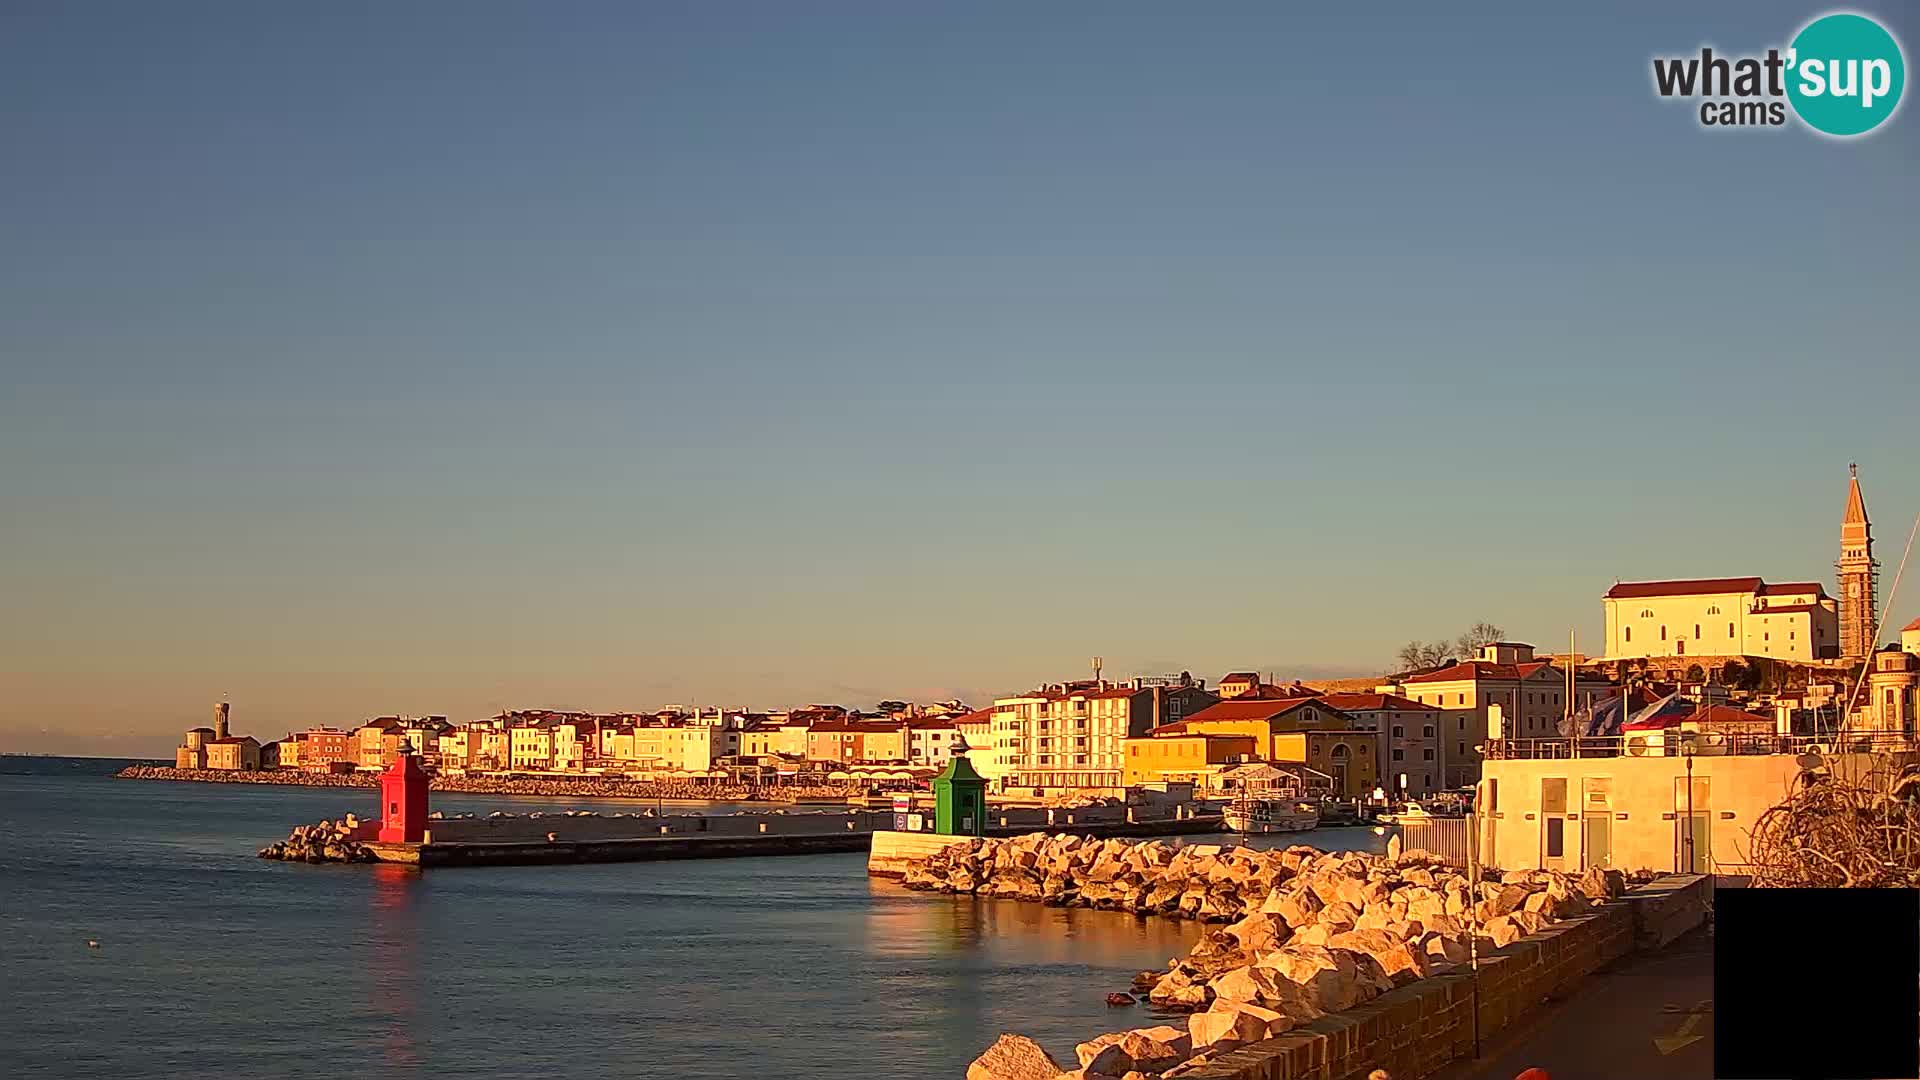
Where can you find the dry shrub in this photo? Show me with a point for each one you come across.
(1842, 832)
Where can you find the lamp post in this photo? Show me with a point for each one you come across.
(1686, 753)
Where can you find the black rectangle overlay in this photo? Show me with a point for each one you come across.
(1816, 984)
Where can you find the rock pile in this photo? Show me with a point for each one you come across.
(1303, 933)
(321, 842)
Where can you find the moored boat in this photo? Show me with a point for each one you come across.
(1255, 815)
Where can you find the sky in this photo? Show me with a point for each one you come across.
(364, 358)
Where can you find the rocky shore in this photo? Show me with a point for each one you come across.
(321, 842)
(1301, 933)
(585, 787)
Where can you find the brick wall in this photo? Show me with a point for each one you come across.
(1421, 1027)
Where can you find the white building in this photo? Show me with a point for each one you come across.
(1741, 616)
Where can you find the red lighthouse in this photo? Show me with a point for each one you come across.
(403, 802)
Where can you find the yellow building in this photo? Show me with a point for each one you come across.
(192, 751)
(1350, 757)
(1173, 754)
(651, 748)
(236, 753)
(1264, 720)
(377, 742)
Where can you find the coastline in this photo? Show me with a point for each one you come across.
(581, 788)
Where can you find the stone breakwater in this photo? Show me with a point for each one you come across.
(1300, 933)
(560, 787)
(322, 842)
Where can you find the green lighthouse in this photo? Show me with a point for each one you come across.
(960, 797)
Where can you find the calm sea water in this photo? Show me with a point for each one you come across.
(215, 963)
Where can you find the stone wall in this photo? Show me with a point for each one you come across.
(527, 829)
(1417, 1029)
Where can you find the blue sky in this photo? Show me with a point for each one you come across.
(439, 358)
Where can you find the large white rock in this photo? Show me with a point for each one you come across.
(1224, 1030)
(1014, 1057)
(1401, 963)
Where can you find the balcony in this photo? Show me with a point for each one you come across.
(1676, 743)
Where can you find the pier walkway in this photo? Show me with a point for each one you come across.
(1648, 1017)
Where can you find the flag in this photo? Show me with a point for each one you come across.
(1601, 719)
(1665, 712)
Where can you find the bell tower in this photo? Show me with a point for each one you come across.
(1859, 575)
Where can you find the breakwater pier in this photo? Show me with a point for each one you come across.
(1323, 965)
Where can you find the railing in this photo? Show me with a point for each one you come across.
(1447, 837)
(1676, 743)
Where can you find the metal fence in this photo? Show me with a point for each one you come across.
(1677, 743)
(1446, 837)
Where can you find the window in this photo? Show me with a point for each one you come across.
(1427, 754)
(1399, 732)
(1556, 837)
(1696, 631)
(1713, 611)
(1461, 750)
(1461, 699)
(1629, 633)
(1427, 731)
(1399, 754)
(1646, 613)
(1663, 633)
(1729, 629)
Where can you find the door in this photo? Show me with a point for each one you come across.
(1692, 826)
(1556, 837)
(1596, 821)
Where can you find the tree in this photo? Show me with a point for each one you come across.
(1696, 674)
(1423, 654)
(1733, 673)
(1477, 637)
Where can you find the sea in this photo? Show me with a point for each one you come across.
(140, 936)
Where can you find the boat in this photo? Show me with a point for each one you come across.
(1256, 815)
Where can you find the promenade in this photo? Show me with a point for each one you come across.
(1649, 1016)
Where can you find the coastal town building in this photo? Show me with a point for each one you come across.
(1173, 754)
(1721, 617)
(1530, 696)
(281, 753)
(1265, 719)
(322, 748)
(237, 753)
(1248, 684)
(192, 751)
(1071, 735)
(1910, 637)
(930, 739)
(1348, 756)
(1409, 738)
(1892, 683)
(849, 741)
(378, 742)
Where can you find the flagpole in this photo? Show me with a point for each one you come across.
(1572, 644)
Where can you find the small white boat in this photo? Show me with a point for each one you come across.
(1255, 816)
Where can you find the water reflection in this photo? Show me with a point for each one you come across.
(393, 959)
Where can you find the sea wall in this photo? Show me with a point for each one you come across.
(582, 828)
(1309, 939)
(1417, 1029)
(583, 787)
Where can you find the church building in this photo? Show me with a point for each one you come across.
(1747, 616)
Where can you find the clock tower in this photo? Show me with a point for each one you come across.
(1859, 575)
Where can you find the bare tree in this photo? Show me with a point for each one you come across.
(1478, 636)
(1423, 654)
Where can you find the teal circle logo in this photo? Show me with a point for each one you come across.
(1845, 74)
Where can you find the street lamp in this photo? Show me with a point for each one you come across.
(1686, 753)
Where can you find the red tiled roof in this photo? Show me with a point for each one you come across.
(1694, 587)
(977, 716)
(1240, 676)
(1250, 709)
(1914, 625)
(1788, 609)
(1481, 669)
(1813, 587)
(928, 723)
(1376, 703)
